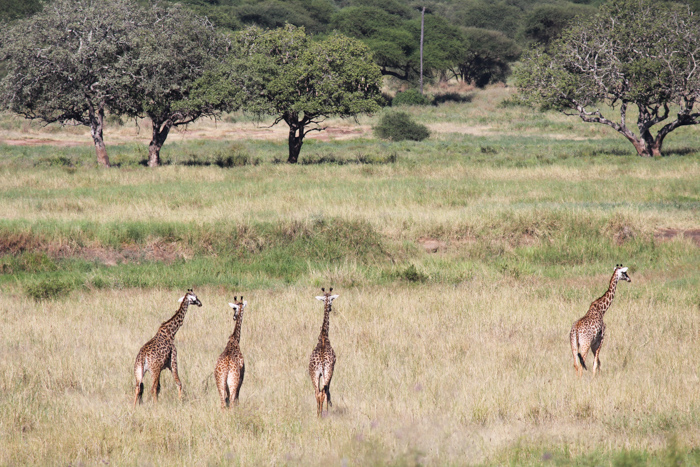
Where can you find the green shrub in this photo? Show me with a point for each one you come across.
(398, 126)
(48, 289)
(410, 97)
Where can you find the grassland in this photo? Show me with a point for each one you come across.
(460, 261)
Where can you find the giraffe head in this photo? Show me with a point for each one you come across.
(237, 306)
(191, 298)
(621, 273)
(327, 298)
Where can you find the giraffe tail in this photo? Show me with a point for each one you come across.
(580, 360)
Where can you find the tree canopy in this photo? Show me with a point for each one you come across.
(283, 73)
(173, 49)
(69, 62)
(632, 54)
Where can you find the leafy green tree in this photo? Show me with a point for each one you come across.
(388, 35)
(69, 62)
(11, 10)
(282, 73)
(487, 57)
(173, 49)
(546, 22)
(633, 53)
(443, 48)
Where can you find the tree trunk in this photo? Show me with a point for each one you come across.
(96, 126)
(646, 145)
(159, 135)
(296, 136)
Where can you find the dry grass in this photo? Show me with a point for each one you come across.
(438, 375)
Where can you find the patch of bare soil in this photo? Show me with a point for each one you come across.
(155, 251)
(158, 250)
(431, 245)
(670, 234)
(42, 142)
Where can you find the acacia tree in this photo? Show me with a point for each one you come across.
(283, 74)
(67, 63)
(632, 54)
(173, 49)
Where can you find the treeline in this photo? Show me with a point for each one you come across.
(473, 40)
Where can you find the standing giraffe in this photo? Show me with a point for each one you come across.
(230, 367)
(589, 331)
(160, 352)
(322, 359)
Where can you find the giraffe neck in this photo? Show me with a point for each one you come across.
(604, 302)
(236, 336)
(323, 337)
(171, 326)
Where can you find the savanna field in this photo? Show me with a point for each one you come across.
(461, 263)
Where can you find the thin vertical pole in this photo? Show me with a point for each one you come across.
(422, 26)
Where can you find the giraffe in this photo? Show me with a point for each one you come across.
(589, 331)
(160, 352)
(230, 366)
(322, 359)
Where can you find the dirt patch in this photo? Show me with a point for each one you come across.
(42, 142)
(431, 245)
(158, 251)
(670, 234)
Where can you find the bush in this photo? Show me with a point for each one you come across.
(410, 97)
(398, 126)
(48, 289)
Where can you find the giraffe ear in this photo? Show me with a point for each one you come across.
(181, 299)
(245, 304)
(333, 297)
(234, 306)
(321, 297)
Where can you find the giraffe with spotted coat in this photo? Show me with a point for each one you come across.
(322, 361)
(160, 351)
(589, 331)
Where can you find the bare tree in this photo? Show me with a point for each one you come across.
(635, 54)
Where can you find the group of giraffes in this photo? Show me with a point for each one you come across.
(159, 352)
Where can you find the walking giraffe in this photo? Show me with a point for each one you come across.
(322, 359)
(589, 331)
(160, 352)
(230, 366)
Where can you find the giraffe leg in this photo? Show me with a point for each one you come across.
(173, 368)
(220, 376)
(155, 389)
(595, 347)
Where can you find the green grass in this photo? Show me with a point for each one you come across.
(458, 356)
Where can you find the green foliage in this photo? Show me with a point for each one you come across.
(545, 23)
(487, 57)
(11, 10)
(48, 289)
(284, 74)
(410, 97)
(398, 126)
